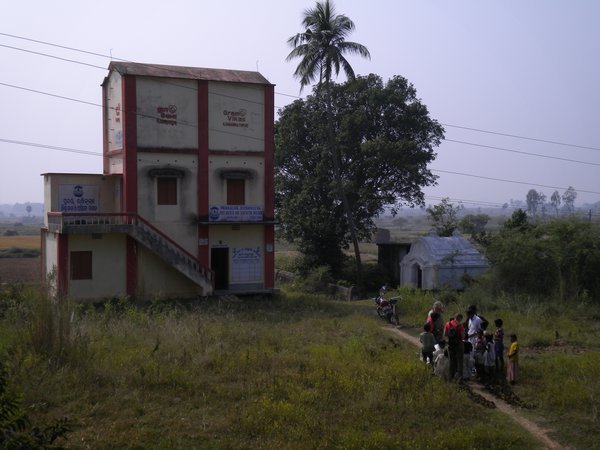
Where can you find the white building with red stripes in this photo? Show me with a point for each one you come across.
(185, 202)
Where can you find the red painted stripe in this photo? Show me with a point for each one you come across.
(269, 211)
(202, 176)
(105, 150)
(130, 189)
(62, 269)
(269, 152)
(269, 257)
(44, 250)
(131, 271)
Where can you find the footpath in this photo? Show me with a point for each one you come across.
(534, 429)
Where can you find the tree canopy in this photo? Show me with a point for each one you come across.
(560, 257)
(322, 46)
(385, 139)
(321, 49)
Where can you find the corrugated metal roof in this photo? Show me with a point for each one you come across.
(193, 73)
(452, 251)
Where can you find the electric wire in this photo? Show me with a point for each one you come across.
(293, 96)
(479, 130)
(510, 181)
(492, 147)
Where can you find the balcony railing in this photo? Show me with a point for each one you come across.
(135, 226)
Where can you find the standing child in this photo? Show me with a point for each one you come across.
(478, 349)
(440, 362)
(499, 346)
(513, 360)
(427, 344)
(489, 359)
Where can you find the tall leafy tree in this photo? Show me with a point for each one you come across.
(555, 201)
(386, 139)
(535, 201)
(444, 217)
(568, 199)
(322, 48)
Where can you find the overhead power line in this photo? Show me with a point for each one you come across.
(86, 152)
(51, 147)
(479, 130)
(148, 116)
(471, 202)
(521, 137)
(510, 181)
(522, 152)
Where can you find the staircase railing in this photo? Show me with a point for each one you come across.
(132, 224)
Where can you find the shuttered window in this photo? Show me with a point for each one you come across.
(166, 190)
(81, 265)
(236, 193)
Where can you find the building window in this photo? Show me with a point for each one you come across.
(81, 265)
(236, 192)
(166, 190)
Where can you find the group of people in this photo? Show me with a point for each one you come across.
(464, 349)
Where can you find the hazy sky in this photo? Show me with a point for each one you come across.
(524, 68)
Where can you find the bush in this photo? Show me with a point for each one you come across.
(318, 280)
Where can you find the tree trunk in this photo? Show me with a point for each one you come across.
(337, 173)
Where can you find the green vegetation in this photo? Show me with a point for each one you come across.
(560, 353)
(287, 372)
(15, 252)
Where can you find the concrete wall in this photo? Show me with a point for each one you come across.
(167, 113)
(50, 258)
(245, 242)
(114, 113)
(176, 221)
(108, 266)
(156, 279)
(236, 116)
(253, 165)
(97, 193)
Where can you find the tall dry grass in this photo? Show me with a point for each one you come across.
(296, 371)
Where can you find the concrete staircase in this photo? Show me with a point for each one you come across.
(144, 233)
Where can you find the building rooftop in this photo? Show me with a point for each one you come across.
(454, 250)
(193, 73)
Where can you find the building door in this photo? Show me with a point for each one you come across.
(219, 263)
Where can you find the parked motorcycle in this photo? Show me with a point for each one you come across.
(386, 308)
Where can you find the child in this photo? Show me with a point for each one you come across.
(489, 358)
(440, 361)
(427, 344)
(468, 361)
(513, 360)
(499, 345)
(478, 349)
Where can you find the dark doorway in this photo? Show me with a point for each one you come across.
(419, 277)
(219, 263)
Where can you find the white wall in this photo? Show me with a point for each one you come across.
(156, 279)
(114, 113)
(246, 237)
(236, 116)
(108, 266)
(167, 113)
(217, 188)
(176, 221)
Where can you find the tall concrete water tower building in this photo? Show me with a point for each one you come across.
(185, 202)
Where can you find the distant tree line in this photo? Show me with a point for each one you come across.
(558, 257)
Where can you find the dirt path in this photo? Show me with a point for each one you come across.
(514, 414)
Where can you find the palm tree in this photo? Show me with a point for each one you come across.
(321, 49)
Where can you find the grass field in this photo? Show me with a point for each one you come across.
(290, 372)
(25, 242)
(295, 372)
